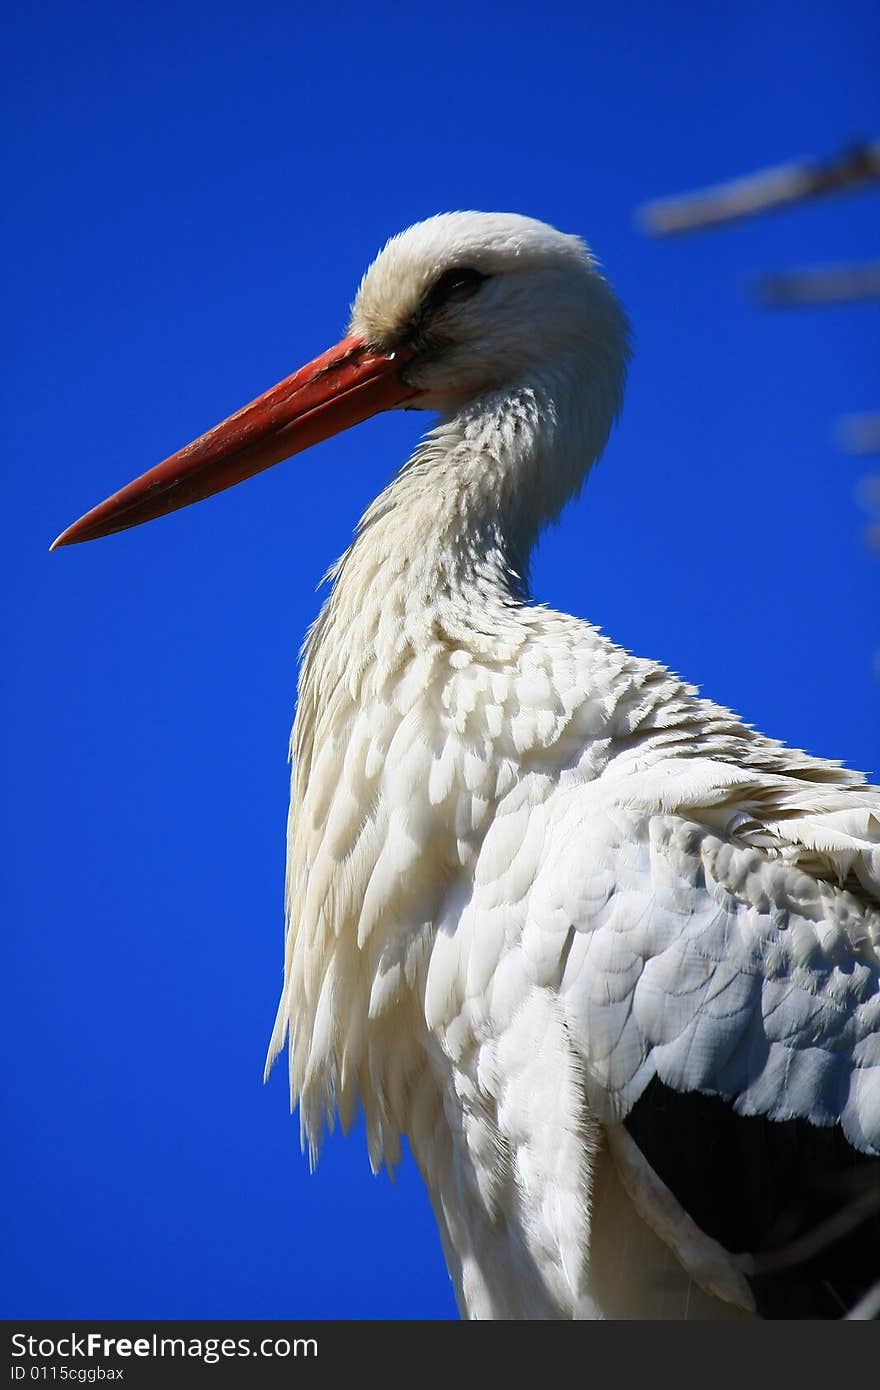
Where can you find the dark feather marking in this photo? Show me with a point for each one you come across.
(795, 1199)
(453, 286)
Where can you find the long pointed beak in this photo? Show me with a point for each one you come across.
(341, 387)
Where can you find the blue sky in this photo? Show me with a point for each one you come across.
(196, 190)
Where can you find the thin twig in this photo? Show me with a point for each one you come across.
(804, 1247)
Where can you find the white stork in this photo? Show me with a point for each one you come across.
(605, 955)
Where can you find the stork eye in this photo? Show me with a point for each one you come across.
(459, 283)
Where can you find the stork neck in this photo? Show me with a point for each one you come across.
(461, 518)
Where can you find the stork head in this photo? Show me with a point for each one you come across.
(482, 300)
(459, 305)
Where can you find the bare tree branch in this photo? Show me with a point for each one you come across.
(853, 167)
(831, 284)
(859, 434)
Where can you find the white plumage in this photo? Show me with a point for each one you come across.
(550, 915)
(527, 871)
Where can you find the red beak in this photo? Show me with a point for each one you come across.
(341, 387)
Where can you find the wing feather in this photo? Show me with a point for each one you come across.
(713, 962)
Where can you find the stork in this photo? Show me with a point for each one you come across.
(607, 957)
